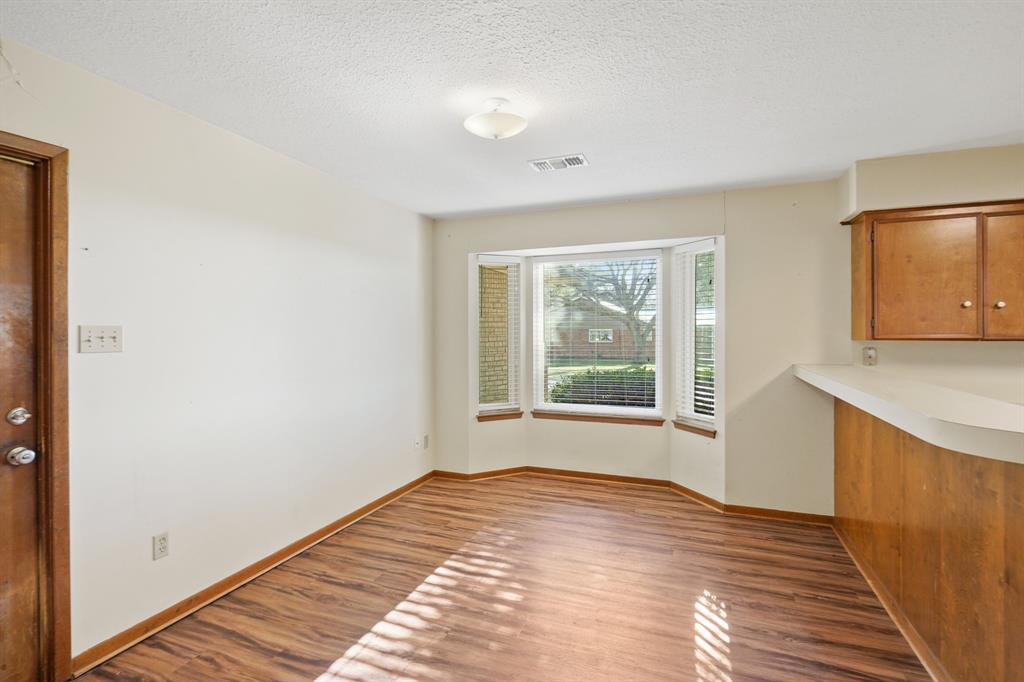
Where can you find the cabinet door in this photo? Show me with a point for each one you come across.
(927, 278)
(1004, 276)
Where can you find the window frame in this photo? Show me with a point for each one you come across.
(539, 356)
(516, 368)
(684, 328)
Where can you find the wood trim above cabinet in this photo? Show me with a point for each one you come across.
(941, 210)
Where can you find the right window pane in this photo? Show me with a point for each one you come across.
(696, 310)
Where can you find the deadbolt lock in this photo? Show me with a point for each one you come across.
(18, 456)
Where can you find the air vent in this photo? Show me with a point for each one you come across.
(559, 163)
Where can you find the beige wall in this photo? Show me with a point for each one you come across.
(241, 279)
(982, 174)
(787, 301)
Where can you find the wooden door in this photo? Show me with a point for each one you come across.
(927, 278)
(1004, 276)
(19, 521)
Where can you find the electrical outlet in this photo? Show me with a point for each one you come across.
(161, 548)
(416, 444)
(869, 356)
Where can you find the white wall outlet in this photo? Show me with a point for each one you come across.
(416, 444)
(869, 356)
(161, 546)
(94, 338)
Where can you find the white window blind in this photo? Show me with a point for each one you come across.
(694, 276)
(596, 333)
(498, 332)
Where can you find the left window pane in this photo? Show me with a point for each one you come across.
(498, 349)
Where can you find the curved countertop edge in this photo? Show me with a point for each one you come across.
(1004, 441)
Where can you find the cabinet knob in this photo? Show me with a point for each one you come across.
(966, 304)
(1000, 305)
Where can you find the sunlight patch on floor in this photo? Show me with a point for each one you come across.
(409, 630)
(711, 639)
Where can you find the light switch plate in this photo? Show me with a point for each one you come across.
(100, 338)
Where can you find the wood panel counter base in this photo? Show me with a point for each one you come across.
(927, 657)
(939, 535)
(605, 418)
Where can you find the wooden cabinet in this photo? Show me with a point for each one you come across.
(1004, 276)
(951, 272)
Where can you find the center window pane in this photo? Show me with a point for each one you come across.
(600, 332)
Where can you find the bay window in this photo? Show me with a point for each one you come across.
(597, 333)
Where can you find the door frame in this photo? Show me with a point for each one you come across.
(50, 286)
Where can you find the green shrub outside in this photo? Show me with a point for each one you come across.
(633, 386)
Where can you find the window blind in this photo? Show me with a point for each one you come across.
(596, 333)
(499, 334)
(694, 273)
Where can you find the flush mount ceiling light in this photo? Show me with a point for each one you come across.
(493, 123)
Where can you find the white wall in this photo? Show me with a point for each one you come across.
(787, 301)
(277, 344)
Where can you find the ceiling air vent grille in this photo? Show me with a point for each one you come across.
(559, 163)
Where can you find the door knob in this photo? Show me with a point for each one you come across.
(18, 416)
(18, 456)
(966, 304)
(1000, 305)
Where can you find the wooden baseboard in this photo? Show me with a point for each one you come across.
(494, 473)
(613, 478)
(924, 653)
(738, 510)
(779, 514)
(697, 497)
(546, 471)
(109, 648)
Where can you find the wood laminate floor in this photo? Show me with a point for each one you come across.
(541, 578)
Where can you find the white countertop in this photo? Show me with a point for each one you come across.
(951, 419)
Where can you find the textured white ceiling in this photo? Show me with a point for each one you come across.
(661, 96)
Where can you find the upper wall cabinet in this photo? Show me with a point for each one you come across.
(951, 272)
